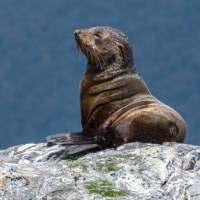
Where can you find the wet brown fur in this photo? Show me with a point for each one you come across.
(115, 101)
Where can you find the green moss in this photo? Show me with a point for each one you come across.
(104, 188)
(108, 166)
(84, 167)
(79, 167)
(123, 155)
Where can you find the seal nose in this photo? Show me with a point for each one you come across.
(76, 33)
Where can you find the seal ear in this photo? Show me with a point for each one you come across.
(122, 53)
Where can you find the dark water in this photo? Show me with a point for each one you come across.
(40, 70)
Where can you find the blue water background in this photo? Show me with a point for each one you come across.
(40, 70)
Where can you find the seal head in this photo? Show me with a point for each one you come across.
(105, 48)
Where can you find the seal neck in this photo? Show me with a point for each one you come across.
(109, 72)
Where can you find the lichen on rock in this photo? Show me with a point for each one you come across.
(132, 171)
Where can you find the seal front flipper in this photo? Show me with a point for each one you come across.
(69, 145)
(69, 139)
(60, 152)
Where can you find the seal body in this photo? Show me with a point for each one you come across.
(116, 104)
(120, 106)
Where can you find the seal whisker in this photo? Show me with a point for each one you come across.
(78, 51)
(93, 57)
(102, 59)
(85, 47)
(98, 60)
(90, 55)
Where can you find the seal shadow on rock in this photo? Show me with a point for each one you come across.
(116, 104)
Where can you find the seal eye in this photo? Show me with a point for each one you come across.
(97, 38)
(97, 35)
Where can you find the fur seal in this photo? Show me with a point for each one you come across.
(116, 105)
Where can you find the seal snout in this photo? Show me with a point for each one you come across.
(80, 36)
(77, 34)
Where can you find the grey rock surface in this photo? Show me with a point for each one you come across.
(132, 171)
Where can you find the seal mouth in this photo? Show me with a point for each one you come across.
(92, 56)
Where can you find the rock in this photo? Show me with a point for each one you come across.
(132, 171)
